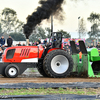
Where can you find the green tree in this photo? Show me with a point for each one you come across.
(0, 30)
(90, 34)
(88, 41)
(65, 34)
(95, 20)
(82, 28)
(33, 37)
(39, 32)
(48, 32)
(18, 36)
(94, 30)
(10, 22)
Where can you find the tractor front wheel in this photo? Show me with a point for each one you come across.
(11, 71)
(58, 64)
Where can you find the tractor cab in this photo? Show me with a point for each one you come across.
(56, 39)
(56, 43)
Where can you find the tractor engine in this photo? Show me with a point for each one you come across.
(23, 54)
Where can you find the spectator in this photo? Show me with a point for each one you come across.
(78, 49)
(1, 51)
(67, 49)
(48, 45)
(39, 41)
(33, 44)
(87, 47)
(98, 45)
(9, 41)
(91, 46)
(45, 42)
(80, 56)
(70, 49)
(19, 44)
(23, 44)
(76, 45)
(80, 53)
(2, 40)
(29, 44)
(67, 45)
(3, 47)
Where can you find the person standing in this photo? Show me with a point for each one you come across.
(3, 47)
(67, 49)
(98, 45)
(19, 44)
(9, 41)
(2, 41)
(1, 51)
(39, 41)
(45, 42)
(23, 44)
(91, 46)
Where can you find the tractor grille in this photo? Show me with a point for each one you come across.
(24, 52)
(10, 53)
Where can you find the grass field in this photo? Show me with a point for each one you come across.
(42, 91)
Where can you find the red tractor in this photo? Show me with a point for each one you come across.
(52, 61)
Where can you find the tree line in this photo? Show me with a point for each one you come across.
(94, 33)
(10, 24)
(95, 21)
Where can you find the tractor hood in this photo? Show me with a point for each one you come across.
(22, 54)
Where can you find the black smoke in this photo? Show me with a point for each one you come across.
(47, 8)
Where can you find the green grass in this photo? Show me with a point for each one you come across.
(48, 91)
(33, 70)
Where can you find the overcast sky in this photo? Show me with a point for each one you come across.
(72, 10)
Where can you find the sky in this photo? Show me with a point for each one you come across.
(72, 10)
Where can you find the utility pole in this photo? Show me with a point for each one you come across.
(79, 27)
(97, 35)
(51, 26)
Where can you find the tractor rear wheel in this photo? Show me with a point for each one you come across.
(58, 64)
(11, 71)
(41, 70)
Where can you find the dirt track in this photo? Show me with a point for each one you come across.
(37, 78)
(42, 80)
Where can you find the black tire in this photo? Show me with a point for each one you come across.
(41, 70)
(96, 67)
(58, 64)
(12, 71)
